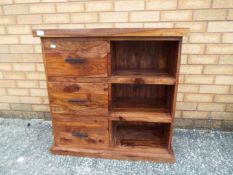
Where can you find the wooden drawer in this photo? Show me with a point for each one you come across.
(72, 57)
(72, 131)
(79, 98)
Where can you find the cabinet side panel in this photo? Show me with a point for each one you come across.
(178, 57)
(46, 73)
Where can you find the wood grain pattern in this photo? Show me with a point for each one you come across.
(78, 79)
(93, 98)
(140, 116)
(81, 131)
(174, 95)
(158, 155)
(142, 135)
(153, 57)
(151, 98)
(93, 53)
(143, 79)
(111, 32)
(113, 92)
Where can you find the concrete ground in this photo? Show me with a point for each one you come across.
(24, 151)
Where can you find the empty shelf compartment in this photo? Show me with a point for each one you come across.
(142, 97)
(147, 57)
(140, 134)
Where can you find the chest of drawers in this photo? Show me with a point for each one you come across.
(112, 92)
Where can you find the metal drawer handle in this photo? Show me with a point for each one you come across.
(76, 100)
(80, 135)
(75, 60)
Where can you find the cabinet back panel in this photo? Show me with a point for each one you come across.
(144, 56)
(139, 91)
(140, 134)
(141, 96)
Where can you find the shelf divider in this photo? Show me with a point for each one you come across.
(143, 79)
(156, 117)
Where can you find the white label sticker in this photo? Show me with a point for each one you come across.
(53, 46)
(40, 33)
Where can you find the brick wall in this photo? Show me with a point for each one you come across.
(205, 97)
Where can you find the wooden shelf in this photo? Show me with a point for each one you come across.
(144, 103)
(142, 72)
(134, 110)
(143, 79)
(148, 103)
(139, 135)
(144, 116)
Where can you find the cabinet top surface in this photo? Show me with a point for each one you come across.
(112, 32)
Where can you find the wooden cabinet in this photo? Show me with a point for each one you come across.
(112, 92)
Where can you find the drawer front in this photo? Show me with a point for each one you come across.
(73, 57)
(72, 131)
(79, 98)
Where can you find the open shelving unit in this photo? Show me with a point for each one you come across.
(142, 93)
(112, 92)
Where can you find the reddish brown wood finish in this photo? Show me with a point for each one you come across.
(159, 154)
(112, 92)
(79, 98)
(139, 135)
(90, 57)
(81, 131)
(127, 32)
(144, 57)
(143, 116)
